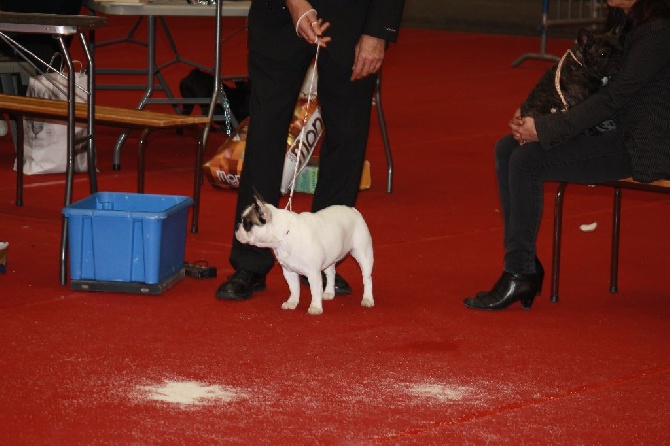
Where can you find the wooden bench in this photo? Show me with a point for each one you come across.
(661, 186)
(147, 121)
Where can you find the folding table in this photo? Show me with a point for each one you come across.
(160, 9)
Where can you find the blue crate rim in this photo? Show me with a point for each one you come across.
(183, 202)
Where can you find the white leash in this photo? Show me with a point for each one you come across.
(303, 132)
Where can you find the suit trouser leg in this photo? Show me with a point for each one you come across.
(275, 85)
(345, 107)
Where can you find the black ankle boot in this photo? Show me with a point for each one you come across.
(539, 271)
(507, 290)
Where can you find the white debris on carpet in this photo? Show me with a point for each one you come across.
(589, 227)
(189, 393)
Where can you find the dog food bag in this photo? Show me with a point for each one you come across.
(4, 247)
(224, 169)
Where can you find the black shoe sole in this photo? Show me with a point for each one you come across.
(232, 296)
(342, 292)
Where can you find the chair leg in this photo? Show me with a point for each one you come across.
(385, 137)
(616, 228)
(556, 250)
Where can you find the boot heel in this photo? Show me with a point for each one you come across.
(527, 301)
(508, 289)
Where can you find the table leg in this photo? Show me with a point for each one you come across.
(90, 139)
(151, 69)
(71, 95)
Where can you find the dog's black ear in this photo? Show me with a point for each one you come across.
(584, 37)
(258, 197)
(263, 214)
(617, 32)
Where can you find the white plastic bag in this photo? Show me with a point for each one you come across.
(45, 140)
(304, 132)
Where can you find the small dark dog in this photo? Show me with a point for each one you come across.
(199, 84)
(582, 70)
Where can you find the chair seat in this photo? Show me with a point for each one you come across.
(662, 186)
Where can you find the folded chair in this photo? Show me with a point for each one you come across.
(661, 186)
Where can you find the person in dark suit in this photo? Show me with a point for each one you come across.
(283, 35)
(553, 148)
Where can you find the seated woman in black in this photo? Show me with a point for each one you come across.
(554, 148)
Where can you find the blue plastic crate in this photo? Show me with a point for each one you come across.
(124, 237)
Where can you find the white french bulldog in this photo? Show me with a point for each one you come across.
(308, 243)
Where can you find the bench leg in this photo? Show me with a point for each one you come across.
(556, 254)
(116, 161)
(140, 160)
(201, 135)
(19, 160)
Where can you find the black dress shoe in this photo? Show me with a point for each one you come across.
(341, 285)
(241, 285)
(508, 289)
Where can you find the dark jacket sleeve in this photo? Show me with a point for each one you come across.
(384, 19)
(647, 53)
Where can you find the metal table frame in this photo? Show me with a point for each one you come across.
(159, 9)
(60, 27)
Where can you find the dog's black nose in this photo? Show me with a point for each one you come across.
(246, 224)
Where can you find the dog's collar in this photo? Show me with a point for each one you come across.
(557, 77)
(275, 249)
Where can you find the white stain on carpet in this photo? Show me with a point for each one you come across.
(439, 392)
(188, 393)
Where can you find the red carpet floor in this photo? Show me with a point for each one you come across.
(82, 368)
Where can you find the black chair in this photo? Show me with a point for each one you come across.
(662, 186)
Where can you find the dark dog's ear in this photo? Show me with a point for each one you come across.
(263, 214)
(617, 31)
(258, 198)
(584, 37)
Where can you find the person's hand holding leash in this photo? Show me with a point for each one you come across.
(307, 25)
